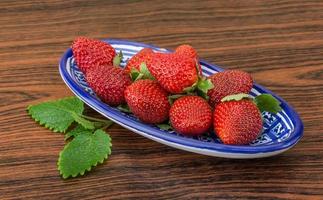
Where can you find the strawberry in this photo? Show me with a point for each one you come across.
(227, 83)
(237, 122)
(174, 72)
(148, 101)
(109, 83)
(90, 53)
(187, 50)
(190, 115)
(237, 119)
(135, 61)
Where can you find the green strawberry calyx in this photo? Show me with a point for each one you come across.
(117, 59)
(236, 97)
(264, 102)
(124, 108)
(165, 127)
(142, 73)
(201, 87)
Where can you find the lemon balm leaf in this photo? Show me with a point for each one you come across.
(89, 145)
(85, 151)
(84, 122)
(57, 115)
(77, 131)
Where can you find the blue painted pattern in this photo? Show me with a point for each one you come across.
(276, 128)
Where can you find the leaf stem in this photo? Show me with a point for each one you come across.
(95, 119)
(107, 125)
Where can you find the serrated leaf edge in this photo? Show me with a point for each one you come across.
(88, 169)
(51, 101)
(47, 126)
(44, 124)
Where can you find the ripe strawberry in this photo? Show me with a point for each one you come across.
(187, 50)
(90, 53)
(227, 83)
(174, 72)
(190, 115)
(237, 122)
(148, 101)
(135, 61)
(109, 83)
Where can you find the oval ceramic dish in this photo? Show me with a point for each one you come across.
(280, 132)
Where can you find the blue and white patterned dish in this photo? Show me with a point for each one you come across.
(280, 132)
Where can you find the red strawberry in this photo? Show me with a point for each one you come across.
(135, 61)
(237, 122)
(174, 72)
(187, 50)
(190, 115)
(90, 53)
(227, 83)
(148, 101)
(109, 83)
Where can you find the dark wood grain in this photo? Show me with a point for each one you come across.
(279, 42)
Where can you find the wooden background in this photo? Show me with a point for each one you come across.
(280, 42)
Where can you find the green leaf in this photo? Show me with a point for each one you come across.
(77, 131)
(57, 115)
(204, 85)
(117, 59)
(124, 108)
(203, 95)
(190, 89)
(267, 102)
(146, 73)
(142, 73)
(84, 152)
(165, 127)
(235, 97)
(84, 122)
(100, 124)
(135, 74)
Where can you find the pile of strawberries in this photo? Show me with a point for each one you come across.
(169, 88)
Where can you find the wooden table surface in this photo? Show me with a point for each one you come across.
(279, 42)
